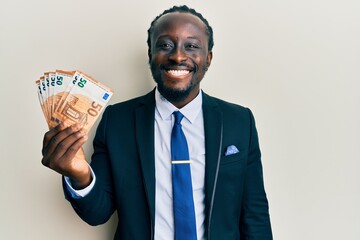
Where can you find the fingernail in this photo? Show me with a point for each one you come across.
(65, 123)
(75, 127)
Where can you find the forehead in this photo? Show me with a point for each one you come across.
(178, 23)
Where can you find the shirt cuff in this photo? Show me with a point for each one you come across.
(82, 192)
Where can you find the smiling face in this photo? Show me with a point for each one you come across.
(179, 56)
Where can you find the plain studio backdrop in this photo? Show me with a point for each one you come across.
(294, 63)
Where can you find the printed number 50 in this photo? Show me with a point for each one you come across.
(95, 109)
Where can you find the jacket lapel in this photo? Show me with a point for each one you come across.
(144, 120)
(213, 144)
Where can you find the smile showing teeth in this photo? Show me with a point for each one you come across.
(178, 72)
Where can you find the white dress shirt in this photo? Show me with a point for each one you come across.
(193, 127)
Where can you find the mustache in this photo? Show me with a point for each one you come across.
(173, 65)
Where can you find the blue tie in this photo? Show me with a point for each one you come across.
(184, 214)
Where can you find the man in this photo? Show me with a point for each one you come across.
(131, 170)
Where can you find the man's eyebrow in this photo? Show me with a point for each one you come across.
(163, 36)
(169, 36)
(193, 37)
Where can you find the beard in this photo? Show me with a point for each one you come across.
(172, 95)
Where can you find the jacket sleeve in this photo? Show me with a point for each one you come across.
(98, 205)
(255, 220)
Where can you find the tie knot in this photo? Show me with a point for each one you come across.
(178, 117)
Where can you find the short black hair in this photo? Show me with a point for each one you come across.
(183, 9)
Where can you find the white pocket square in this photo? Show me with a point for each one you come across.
(230, 150)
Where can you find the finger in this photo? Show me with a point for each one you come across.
(55, 151)
(74, 149)
(59, 137)
(52, 137)
(52, 132)
(63, 163)
(68, 144)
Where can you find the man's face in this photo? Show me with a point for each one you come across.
(179, 56)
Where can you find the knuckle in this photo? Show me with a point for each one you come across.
(47, 136)
(44, 162)
(61, 145)
(50, 165)
(72, 149)
(54, 140)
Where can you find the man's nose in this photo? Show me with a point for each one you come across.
(178, 55)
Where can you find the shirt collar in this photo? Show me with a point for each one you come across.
(166, 109)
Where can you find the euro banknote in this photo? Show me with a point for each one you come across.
(71, 97)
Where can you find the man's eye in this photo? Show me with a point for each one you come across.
(164, 45)
(192, 46)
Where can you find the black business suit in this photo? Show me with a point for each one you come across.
(124, 165)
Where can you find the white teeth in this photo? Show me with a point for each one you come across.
(178, 72)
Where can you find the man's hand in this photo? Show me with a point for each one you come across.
(62, 153)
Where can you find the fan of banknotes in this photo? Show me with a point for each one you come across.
(71, 97)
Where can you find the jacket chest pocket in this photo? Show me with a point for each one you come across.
(236, 158)
(232, 169)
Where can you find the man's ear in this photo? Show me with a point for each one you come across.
(208, 59)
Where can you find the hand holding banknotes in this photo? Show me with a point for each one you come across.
(71, 102)
(62, 153)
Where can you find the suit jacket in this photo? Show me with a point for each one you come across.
(124, 164)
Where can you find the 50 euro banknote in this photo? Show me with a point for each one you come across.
(72, 97)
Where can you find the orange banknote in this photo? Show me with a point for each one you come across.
(71, 97)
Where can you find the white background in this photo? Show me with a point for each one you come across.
(294, 63)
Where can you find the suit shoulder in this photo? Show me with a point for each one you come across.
(231, 112)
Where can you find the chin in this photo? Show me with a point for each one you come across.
(174, 94)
